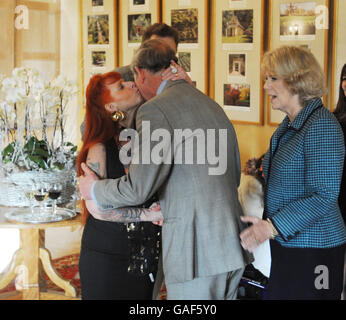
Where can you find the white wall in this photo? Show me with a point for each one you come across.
(9, 240)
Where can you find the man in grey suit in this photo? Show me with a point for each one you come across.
(180, 132)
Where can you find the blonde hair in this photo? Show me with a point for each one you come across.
(299, 69)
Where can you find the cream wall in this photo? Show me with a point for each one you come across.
(70, 63)
(253, 140)
(63, 241)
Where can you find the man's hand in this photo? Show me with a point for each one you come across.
(256, 234)
(86, 181)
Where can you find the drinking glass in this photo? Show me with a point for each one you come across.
(29, 191)
(54, 193)
(41, 194)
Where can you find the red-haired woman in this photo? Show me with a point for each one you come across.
(110, 250)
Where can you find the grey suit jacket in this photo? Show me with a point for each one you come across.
(200, 235)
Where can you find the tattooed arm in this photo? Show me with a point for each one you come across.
(96, 161)
(124, 215)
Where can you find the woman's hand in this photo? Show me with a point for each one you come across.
(155, 207)
(155, 211)
(256, 234)
(180, 74)
(93, 209)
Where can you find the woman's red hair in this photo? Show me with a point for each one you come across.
(99, 127)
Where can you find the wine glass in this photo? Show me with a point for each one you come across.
(29, 191)
(41, 194)
(54, 193)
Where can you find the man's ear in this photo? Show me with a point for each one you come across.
(111, 107)
(140, 74)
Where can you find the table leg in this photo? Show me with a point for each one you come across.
(36, 258)
(30, 244)
(12, 269)
(69, 289)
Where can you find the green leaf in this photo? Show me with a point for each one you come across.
(40, 152)
(9, 149)
(38, 161)
(58, 165)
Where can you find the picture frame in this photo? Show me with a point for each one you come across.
(134, 17)
(302, 23)
(237, 42)
(99, 37)
(338, 50)
(97, 5)
(190, 18)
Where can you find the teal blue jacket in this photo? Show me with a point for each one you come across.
(303, 170)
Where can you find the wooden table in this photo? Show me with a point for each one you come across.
(32, 258)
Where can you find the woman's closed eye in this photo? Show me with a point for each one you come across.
(272, 78)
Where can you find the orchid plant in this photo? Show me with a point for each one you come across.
(32, 121)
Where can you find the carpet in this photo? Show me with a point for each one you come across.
(66, 267)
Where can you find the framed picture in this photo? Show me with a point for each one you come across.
(98, 59)
(97, 5)
(98, 29)
(237, 32)
(137, 23)
(237, 47)
(186, 22)
(139, 5)
(134, 17)
(190, 18)
(338, 50)
(299, 23)
(237, 67)
(99, 37)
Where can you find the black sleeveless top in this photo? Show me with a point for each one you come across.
(139, 242)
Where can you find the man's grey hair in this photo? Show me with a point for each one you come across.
(153, 55)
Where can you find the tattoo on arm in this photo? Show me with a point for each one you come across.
(95, 166)
(130, 214)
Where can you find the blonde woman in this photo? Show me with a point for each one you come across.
(302, 170)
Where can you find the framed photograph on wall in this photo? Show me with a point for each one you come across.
(97, 5)
(139, 5)
(134, 17)
(190, 18)
(99, 37)
(98, 29)
(338, 50)
(236, 52)
(299, 23)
